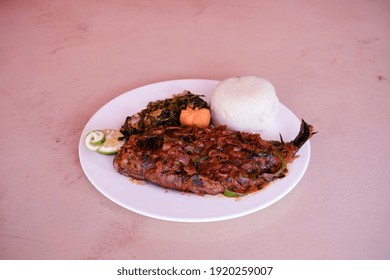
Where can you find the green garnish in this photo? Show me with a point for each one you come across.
(229, 193)
(284, 165)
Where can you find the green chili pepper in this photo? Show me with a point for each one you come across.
(229, 193)
(284, 165)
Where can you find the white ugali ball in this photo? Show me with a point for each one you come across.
(247, 104)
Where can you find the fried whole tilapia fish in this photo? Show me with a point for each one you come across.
(207, 161)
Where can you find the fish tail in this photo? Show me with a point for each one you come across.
(305, 132)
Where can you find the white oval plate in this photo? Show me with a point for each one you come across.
(153, 201)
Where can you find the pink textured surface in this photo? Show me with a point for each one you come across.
(61, 60)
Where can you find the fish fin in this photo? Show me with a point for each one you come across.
(281, 138)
